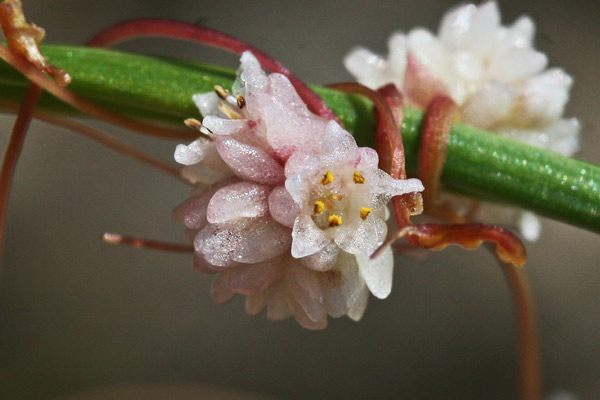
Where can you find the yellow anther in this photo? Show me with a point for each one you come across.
(225, 109)
(365, 211)
(222, 93)
(327, 178)
(241, 101)
(335, 220)
(358, 178)
(319, 207)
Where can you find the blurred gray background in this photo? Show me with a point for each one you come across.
(80, 316)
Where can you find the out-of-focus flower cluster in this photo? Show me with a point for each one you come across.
(286, 209)
(492, 72)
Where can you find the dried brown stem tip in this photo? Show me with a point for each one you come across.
(23, 38)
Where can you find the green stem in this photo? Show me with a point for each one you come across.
(479, 163)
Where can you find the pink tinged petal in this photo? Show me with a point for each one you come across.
(203, 267)
(239, 200)
(322, 260)
(208, 103)
(250, 163)
(255, 278)
(278, 308)
(378, 273)
(307, 238)
(264, 239)
(482, 32)
(342, 286)
(306, 289)
(517, 65)
(361, 236)
(338, 147)
(194, 152)
(301, 163)
(489, 105)
(217, 243)
(192, 212)
(421, 85)
(369, 159)
(455, 24)
(219, 290)
(225, 126)
(282, 207)
(290, 126)
(357, 309)
(255, 304)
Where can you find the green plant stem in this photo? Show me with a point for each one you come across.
(479, 163)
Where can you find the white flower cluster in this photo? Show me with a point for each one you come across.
(293, 208)
(492, 72)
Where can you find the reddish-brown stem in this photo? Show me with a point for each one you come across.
(112, 143)
(527, 342)
(13, 150)
(183, 30)
(115, 238)
(104, 140)
(434, 146)
(86, 106)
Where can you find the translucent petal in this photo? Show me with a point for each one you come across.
(208, 103)
(342, 286)
(322, 260)
(383, 187)
(225, 126)
(307, 238)
(378, 273)
(303, 319)
(369, 159)
(367, 67)
(530, 226)
(306, 289)
(290, 126)
(482, 32)
(278, 308)
(282, 207)
(264, 239)
(194, 152)
(357, 309)
(219, 289)
(250, 163)
(255, 278)
(361, 236)
(251, 74)
(238, 200)
(301, 163)
(338, 147)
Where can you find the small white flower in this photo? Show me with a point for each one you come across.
(294, 207)
(493, 73)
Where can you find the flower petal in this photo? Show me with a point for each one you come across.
(307, 238)
(250, 163)
(306, 290)
(238, 200)
(378, 273)
(322, 260)
(282, 207)
(361, 236)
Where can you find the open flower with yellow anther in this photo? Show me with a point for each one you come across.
(293, 209)
(492, 72)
